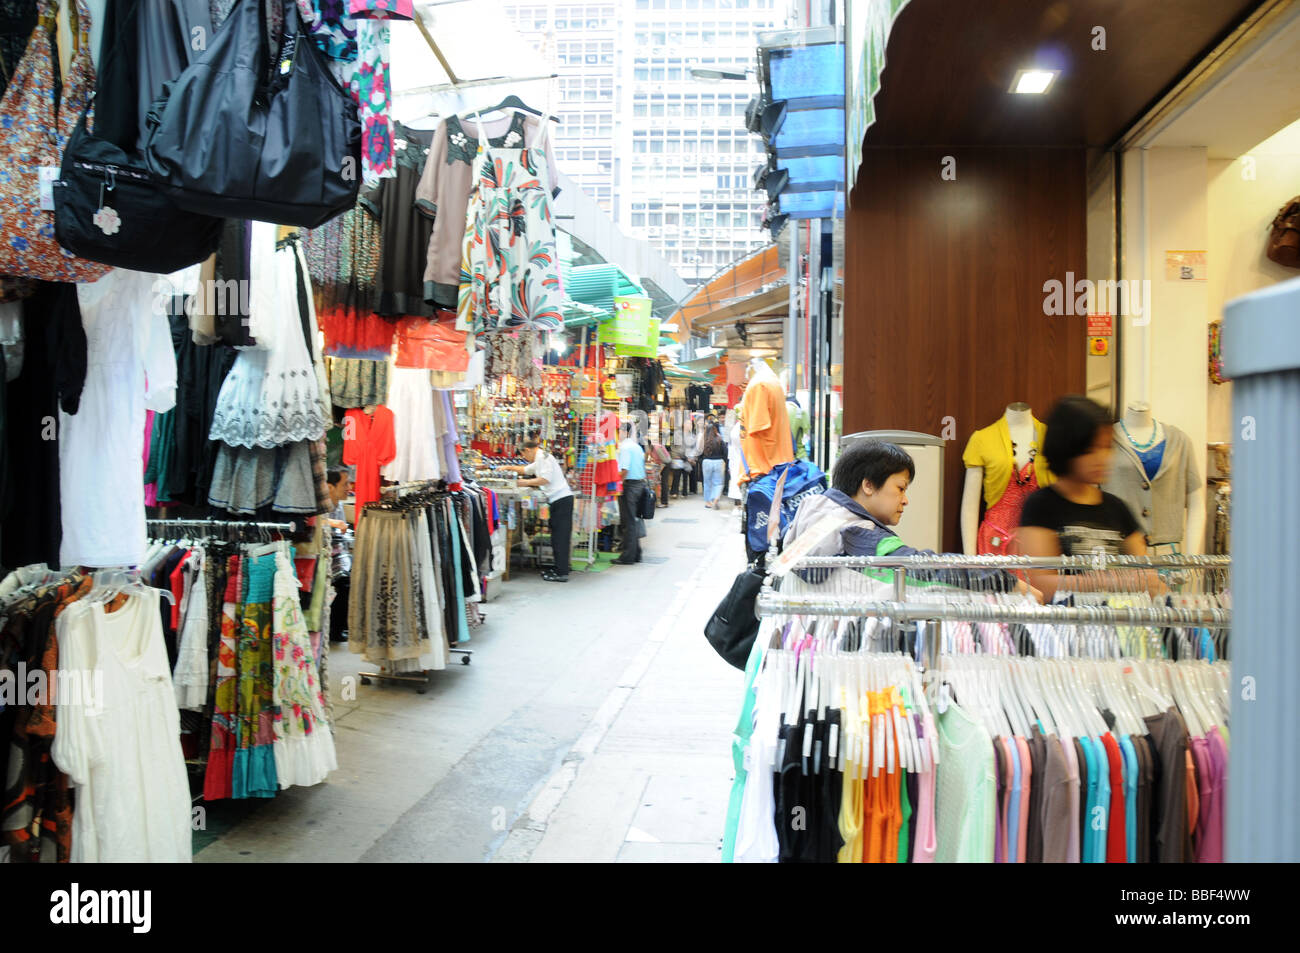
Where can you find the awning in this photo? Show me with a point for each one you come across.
(754, 273)
(599, 285)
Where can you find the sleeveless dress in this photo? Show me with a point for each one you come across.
(510, 275)
(1001, 520)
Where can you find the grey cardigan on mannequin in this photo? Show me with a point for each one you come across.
(1159, 504)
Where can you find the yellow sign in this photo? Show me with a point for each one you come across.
(1098, 347)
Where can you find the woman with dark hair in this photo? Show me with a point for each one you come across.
(713, 457)
(1074, 516)
(867, 496)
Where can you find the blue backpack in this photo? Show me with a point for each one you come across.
(803, 479)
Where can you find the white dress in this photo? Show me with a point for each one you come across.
(130, 367)
(271, 397)
(122, 751)
(415, 430)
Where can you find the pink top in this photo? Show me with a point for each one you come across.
(1026, 769)
(926, 840)
(1211, 840)
(1072, 767)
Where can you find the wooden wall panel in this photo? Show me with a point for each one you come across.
(944, 301)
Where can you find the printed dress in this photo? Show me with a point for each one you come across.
(510, 277)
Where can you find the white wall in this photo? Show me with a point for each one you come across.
(1240, 210)
(1164, 362)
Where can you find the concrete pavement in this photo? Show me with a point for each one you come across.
(594, 724)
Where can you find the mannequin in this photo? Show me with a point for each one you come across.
(1155, 473)
(765, 423)
(1001, 459)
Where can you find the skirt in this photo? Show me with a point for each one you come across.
(247, 479)
(385, 607)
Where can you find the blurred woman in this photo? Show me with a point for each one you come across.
(713, 454)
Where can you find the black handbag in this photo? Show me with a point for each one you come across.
(107, 206)
(648, 503)
(234, 137)
(734, 623)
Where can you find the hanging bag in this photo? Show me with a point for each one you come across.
(107, 206)
(734, 623)
(32, 137)
(1284, 235)
(240, 135)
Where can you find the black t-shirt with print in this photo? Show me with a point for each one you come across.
(1082, 528)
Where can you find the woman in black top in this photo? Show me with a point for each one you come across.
(1074, 516)
(713, 453)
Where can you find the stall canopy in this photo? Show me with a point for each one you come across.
(448, 58)
(800, 115)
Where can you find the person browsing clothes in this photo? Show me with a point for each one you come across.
(543, 470)
(1074, 516)
(868, 495)
(631, 465)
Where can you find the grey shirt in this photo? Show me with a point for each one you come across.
(1159, 504)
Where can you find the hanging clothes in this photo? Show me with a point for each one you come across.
(369, 443)
(131, 368)
(126, 760)
(444, 192)
(417, 453)
(510, 273)
(404, 235)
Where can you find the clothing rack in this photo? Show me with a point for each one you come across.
(428, 489)
(773, 602)
(157, 528)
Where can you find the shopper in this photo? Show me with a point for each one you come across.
(691, 476)
(631, 465)
(340, 486)
(713, 457)
(545, 471)
(1074, 516)
(868, 495)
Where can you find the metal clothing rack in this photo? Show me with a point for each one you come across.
(156, 527)
(772, 601)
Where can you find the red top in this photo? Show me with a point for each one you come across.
(369, 442)
(1116, 833)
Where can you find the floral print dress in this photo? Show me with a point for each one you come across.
(355, 36)
(510, 276)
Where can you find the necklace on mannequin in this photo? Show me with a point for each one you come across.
(1015, 470)
(1155, 433)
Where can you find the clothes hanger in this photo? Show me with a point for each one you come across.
(510, 102)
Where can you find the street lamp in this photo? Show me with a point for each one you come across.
(695, 260)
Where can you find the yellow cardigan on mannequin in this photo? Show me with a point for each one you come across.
(990, 448)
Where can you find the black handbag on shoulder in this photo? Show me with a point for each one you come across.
(242, 135)
(107, 206)
(734, 624)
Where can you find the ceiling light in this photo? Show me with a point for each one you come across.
(1033, 81)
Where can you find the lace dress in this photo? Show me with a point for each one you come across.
(271, 397)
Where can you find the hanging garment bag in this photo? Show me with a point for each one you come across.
(241, 135)
(32, 138)
(106, 205)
